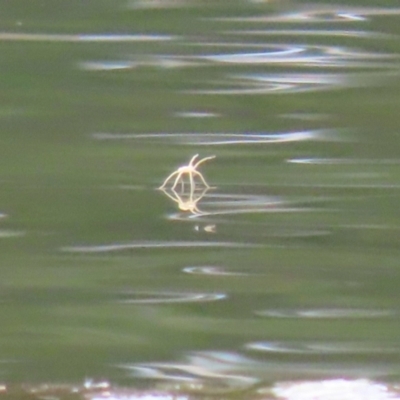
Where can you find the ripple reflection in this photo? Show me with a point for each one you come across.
(211, 270)
(318, 14)
(234, 203)
(328, 161)
(38, 37)
(224, 138)
(319, 348)
(203, 371)
(336, 313)
(301, 55)
(165, 298)
(151, 245)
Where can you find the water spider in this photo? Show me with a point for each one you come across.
(190, 170)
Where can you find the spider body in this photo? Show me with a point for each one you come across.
(190, 170)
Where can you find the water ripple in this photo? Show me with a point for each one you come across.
(234, 203)
(106, 65)
(329, 161)
(225, 138)
(312, 32)
(252, 84)
(318, 14)
(152, 245)
(305, 55)
(319, 348)
(196, 114)
(337, 313)
(166, 298)
(37, 37)
(203, 371)
(212, 270)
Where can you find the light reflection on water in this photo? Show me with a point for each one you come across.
(224, 138)
(321, 348)
(327, 48)
(211, 371)
(89, 38)
(328, 313)
(166, 298)
(151, 245)
(320, 13)
(213, 270)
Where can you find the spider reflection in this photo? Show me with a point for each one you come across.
(188, 186)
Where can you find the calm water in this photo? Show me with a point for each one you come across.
(281, 280)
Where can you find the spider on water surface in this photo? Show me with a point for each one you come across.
(190, 170)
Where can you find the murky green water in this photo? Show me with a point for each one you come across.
(286, 269)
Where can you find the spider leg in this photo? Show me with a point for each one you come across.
(197, 173)
(192, 184)
(192, 160)
(167, 179)
(174, 198)
(202, 160)
(177, 179)
(183, 184)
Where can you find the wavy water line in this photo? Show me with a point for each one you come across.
(218, 138)
(312, 32)
(328, 313)
(165, 62)
(219, 370)
(339, 161)
(343, 186)
(153, 245)
(167, 298)
(321, 14)
(303, 55)
(252, 84)
(84, 38)
(233, 204)
(106, 65)
(196, 114)
(182, 216)
(212, 270)
(320, 348)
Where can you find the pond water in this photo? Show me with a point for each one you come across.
(270, 271)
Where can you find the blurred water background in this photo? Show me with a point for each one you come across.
(287, 271)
